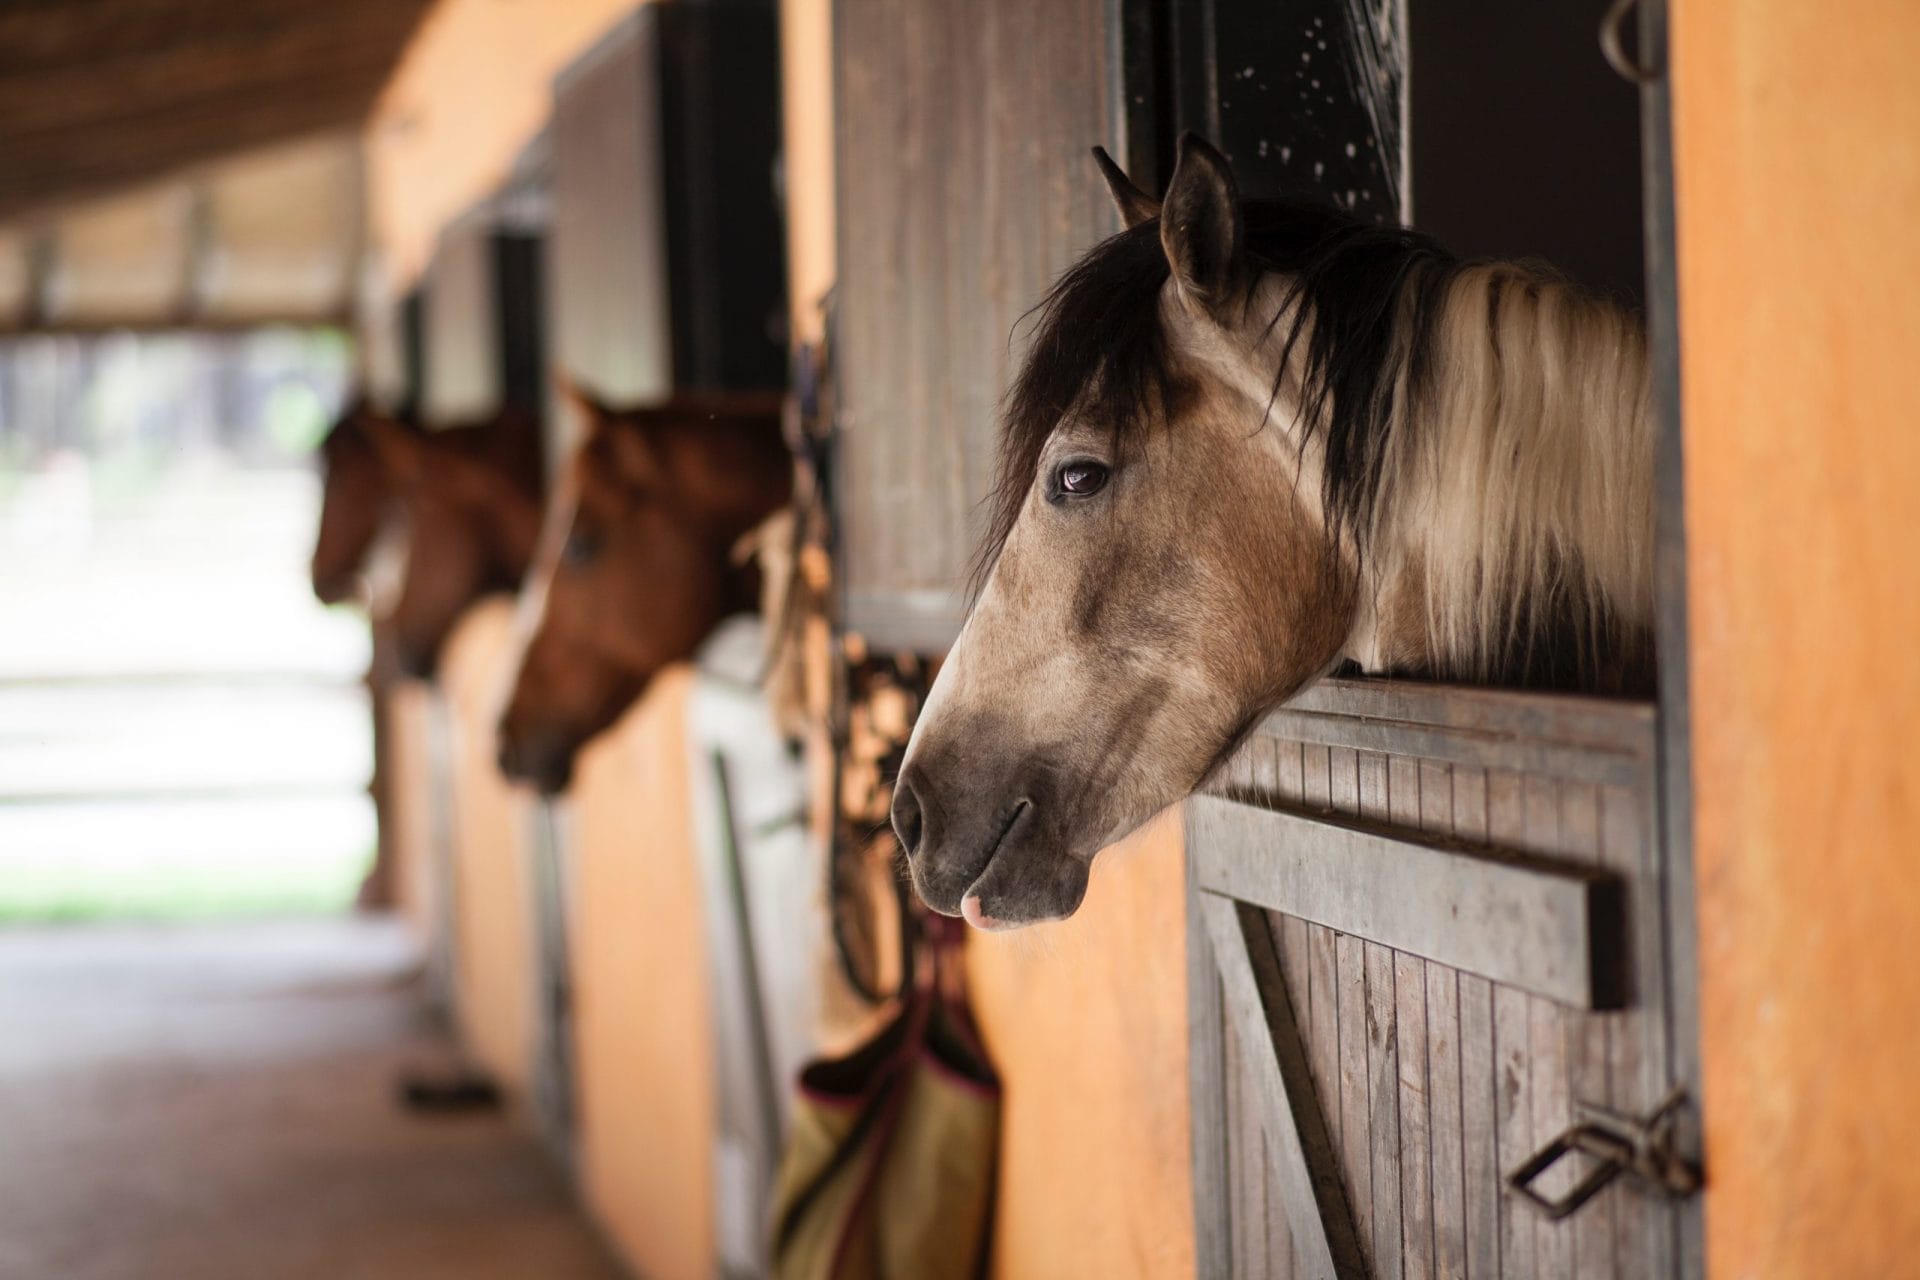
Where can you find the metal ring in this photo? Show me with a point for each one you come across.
(1615, 51)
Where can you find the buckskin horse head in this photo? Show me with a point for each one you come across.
(470, 498)
(638, 564)
(1252, 440)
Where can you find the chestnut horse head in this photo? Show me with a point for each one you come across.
(639, 565)
(470, 497)
(1252, 440)
(355, 499)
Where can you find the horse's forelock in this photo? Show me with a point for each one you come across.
(1096, 350)
(1359, 313)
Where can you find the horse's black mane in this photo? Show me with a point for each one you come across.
(1098, 347)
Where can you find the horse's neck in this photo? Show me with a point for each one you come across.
(514, 520)
(1514, 536)
(739, 471)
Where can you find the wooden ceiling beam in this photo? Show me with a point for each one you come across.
(117, 94)
(103, 94)
(77, 35)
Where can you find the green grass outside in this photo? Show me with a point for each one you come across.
(176, 887)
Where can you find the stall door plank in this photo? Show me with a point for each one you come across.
(1356, 1122)
(1637, 1049)
(1279, 1104)
(1589, 1042)
(1410, 999)
(1444, 1134)
(1547, 1045)
(1479, 1078)
(1479, 1128)
(1383, 1051)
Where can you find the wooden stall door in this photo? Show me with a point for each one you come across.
(1426, 935)
(1432, 929)
(965, 188)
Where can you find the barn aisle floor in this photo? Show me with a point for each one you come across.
(216, 1102)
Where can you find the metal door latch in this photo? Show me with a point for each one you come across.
(1619, 1143)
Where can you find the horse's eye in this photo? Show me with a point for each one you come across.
(1080, 479)
(581, 547)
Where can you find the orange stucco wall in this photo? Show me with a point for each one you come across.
(643, 1035)
(1086, 1020)
(1087, 1023)
(643, 1056)
(494, 946)
(1797, 155)
(416, 889)
(470, 91)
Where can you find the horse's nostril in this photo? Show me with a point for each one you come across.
(414, 660)
(907, 822)
(540, 758)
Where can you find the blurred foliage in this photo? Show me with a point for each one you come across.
(138, 405)
(56, 890)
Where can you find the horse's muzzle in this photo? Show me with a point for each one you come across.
(418, 661)
(336, 588)
(985, 852)
(543, 761)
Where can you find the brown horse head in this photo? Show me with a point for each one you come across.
(470, 497)
(354, 501)
(1250, 440)
(639, 565)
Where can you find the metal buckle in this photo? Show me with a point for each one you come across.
(1621, 1143)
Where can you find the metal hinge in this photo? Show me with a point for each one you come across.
(1620, 1143)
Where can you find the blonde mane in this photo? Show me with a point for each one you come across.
(1518, 493)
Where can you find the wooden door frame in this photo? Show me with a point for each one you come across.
(1670, 576)
(1221, 946)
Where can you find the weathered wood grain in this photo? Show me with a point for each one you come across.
(1267, 1032)
(1512, 1027)
(964, 189)
(1213, 1115)
(1356, 1121)
(1588, 1045)
(1437, 1079)
(1533, 925)
(1443, 1061)
(1479, 1128)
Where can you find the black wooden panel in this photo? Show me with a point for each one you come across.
(1524, 143)
(668, 254)
(719, 143)
(1495, 123)
(1303, 96)
(965, 187)
(413, 349)
(519, 260)
(484, 330)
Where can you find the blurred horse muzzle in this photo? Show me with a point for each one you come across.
(542, 759)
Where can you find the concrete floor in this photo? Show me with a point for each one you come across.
(217, 1102)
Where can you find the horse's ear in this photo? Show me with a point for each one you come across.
(591, 408)
(1135, 205)
(1200, 227)
(633, 452)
